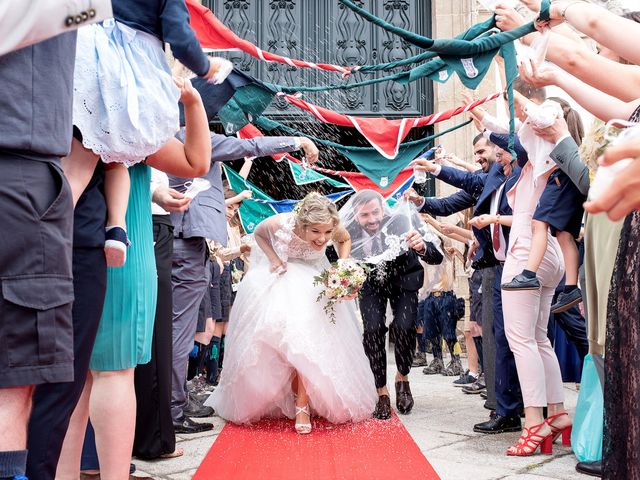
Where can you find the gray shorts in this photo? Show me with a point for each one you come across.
(36, 283)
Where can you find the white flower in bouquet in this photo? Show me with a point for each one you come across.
(342, 281)
(333, 281)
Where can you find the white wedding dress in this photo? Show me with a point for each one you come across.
(277, 328)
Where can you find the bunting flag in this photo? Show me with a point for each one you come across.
(305, 175)
(251, 212)
(358, 181)
(261, 205)
(213, 34)
(379, 169)
(383, 134)
(285, 206)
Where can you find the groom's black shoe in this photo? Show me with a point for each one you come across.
(404, 399)
(383, 408)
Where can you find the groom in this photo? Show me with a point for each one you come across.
(397, 283)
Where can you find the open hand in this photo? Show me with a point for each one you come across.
(537, 76)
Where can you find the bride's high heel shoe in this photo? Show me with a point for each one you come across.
(303, 428)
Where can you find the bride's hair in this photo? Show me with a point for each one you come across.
(315, 209)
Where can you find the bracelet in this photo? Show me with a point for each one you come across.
(564, 11)
(498, 219)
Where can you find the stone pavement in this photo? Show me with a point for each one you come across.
(441, 424)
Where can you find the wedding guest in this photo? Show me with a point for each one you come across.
(205, 219)
(124, 338)
(36, 245)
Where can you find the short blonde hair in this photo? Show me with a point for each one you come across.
(316, 209)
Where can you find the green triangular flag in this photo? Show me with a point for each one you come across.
(305, 176)
(251, 212)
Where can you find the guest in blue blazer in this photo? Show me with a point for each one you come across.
(487, 192)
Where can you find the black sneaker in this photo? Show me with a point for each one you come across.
(436, 366)
(419, 359)
(566, 300)
(520, 282)
(465, 379)
(475, 388)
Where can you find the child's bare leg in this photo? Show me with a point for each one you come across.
(78, 167)
(571, 257)
(538, 244)
(116, 191)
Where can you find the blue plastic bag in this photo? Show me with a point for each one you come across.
(588, 423)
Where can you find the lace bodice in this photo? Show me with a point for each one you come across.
(290, 246)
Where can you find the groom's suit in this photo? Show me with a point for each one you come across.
(399, 284)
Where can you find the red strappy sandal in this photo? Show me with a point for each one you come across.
(555, 431)
(530, 441)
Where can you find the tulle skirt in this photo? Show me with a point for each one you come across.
(124, 101)
(276, 329)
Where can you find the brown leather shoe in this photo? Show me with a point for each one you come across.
(404, 399)
(383, 408)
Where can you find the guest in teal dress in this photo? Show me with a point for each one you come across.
(126, 327)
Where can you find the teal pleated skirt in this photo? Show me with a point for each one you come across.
(126, 327)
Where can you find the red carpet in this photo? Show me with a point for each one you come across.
(271, 450)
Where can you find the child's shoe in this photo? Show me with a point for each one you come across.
(566, 300)
(522, 282)
(115, 246)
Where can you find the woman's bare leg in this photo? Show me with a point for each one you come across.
(113, 416)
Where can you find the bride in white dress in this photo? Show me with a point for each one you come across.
(283, 355)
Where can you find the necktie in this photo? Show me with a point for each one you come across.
(496, 237)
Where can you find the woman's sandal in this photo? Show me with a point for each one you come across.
(555, 431)
(530, 441)
(303, 428)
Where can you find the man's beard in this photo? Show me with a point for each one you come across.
(372, 227)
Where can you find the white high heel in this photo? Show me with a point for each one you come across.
(303, 428)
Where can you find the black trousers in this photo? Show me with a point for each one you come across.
(54, 403)
(373, 305)
(154, 426)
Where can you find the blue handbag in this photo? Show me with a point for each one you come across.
(588, 423)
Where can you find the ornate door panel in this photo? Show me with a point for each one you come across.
(325, 31)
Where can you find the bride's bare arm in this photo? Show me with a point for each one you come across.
(342, 241)
(264, 235)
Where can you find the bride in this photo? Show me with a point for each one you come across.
(284, 357)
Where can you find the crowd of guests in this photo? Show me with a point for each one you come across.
(532, 240)
(125, 325)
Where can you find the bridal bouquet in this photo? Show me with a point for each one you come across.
(341, 281)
